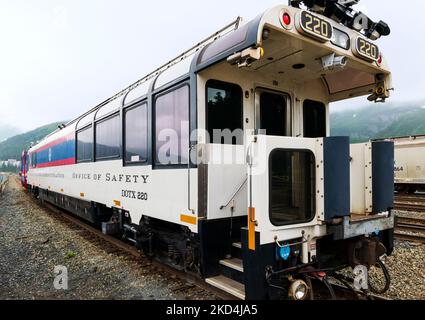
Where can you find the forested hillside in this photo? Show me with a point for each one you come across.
(379, 121)
(12, 147)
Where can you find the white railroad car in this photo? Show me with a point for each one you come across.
(409, 163)
(219, 162)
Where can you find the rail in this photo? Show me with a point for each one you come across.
(411, 202)
(410, 225)
(120, 245)
(234, 194)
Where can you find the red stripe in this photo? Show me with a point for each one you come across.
(55, 142)
(56, 163)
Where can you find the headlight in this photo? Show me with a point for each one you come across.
(298, 290)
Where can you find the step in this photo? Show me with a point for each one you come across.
(228, 285)
(233, 263)
(237, 245)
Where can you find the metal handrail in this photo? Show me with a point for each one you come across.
(233, 196)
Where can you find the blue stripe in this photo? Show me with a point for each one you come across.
(61, 151)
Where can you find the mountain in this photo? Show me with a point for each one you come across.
(379, 121)
(371, 122)
(7, 131)
(12, 147)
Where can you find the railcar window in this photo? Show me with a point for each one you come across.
(85, 144)
(273, 114)
(292, 183)
(172, 127)
(108, 138)
(224, 112)
(33, 159)
(314, 114)
(136, 130)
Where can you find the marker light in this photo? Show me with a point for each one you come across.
(380, 59)
(284, 252)
(340, 39)
(286, 19)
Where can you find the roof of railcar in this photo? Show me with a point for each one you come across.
(232, 38)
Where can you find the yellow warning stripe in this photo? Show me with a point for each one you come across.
(251, 228)
(117, 203)
(187, 219)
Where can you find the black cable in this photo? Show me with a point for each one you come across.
(386, 276)
(329, 286)
(310, 285)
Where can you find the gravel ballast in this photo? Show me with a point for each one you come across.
(33, 241)
(407, 269)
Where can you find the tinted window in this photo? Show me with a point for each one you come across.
(314, 119)
(273, 116)
(292, 183)
(85, 144)
(108, 138)
(136, 134)
(172, 127)
(224, 111)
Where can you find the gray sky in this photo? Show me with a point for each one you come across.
(58, 58)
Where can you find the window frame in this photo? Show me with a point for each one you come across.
(155, 96)
(76, 144)
(221, 82)
(313, 187)
(103, 119)
(124, 133)
(34, 159)
(257, 108)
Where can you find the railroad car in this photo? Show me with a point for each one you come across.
(24, 168)
(409, 163)
(220, 162)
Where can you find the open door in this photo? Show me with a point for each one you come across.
(285, 186)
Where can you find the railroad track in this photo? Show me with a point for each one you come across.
(414, 202)
(115, 245)
(415, 227)
(410, 237)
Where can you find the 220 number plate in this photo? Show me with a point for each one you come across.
(366, 49)
(314, 26)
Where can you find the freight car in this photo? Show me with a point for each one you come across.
(409, 163)
(220, 162)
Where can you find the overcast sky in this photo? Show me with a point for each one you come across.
(58, 58)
